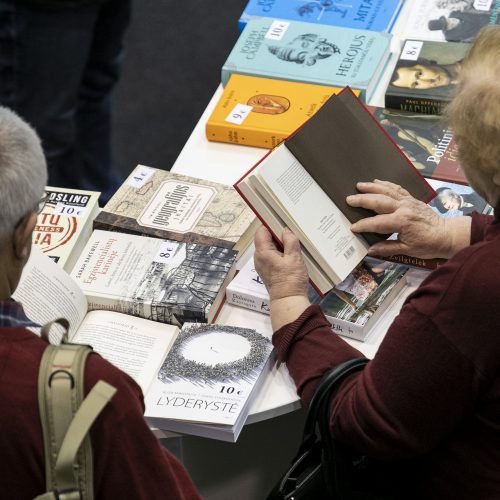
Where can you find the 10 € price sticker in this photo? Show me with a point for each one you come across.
(239, 113)
(69, 210)
(277, 30)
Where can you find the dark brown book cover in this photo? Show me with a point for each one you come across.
(343, 144)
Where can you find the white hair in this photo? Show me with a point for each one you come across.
(23, 170)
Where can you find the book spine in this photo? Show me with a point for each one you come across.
(346, 328)
(245, 136)
(247, 300)
(414, 261)
(414, 104)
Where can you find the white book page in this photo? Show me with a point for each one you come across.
(135, 345)
(324, 225)
(47, 292)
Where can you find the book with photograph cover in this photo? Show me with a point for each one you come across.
(262, 112)
(164, 204)
(352, 307)
(65, 224)
(219, 368)
(450, 20)
(304, 182)
(378, 15)
(160, 280)
(309, 53)
(425, 76)
(425, 140)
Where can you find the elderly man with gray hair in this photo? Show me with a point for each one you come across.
(129, 462)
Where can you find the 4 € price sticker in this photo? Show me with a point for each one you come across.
(277, 30)
(239, 114)
(140, 176)
(411, 50)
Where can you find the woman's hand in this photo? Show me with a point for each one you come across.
(421, 232)
(284, 274)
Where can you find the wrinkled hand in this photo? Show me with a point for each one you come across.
(283, 273)
(421, 232)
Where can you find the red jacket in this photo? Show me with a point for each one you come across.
(432, 392)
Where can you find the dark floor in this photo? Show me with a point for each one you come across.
(174, 52)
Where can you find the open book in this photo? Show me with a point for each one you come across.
(215, 371)
(303, 184)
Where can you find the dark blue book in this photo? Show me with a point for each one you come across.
(378, 15)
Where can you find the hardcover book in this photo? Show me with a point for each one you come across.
(426, 142)
(378, 15)
(352, 307)
(160, 280)
(425, 76)
(262, 112)
(451, 21)
(309, 53)
(305, 180)
(208, 380)
(226, 365)
(167, 205)
(65, 224)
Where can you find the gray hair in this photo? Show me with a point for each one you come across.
(23, 170)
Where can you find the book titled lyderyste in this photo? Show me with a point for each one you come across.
(304, 182)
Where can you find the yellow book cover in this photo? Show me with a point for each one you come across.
(262, 112)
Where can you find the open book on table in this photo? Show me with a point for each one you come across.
(200, 379)
(303, 184)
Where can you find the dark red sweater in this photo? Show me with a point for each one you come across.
(129, 461)
(432, 392)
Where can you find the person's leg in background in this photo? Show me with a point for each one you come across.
(58, 76)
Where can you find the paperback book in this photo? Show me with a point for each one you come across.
(309, 53)
(425, 76)
(65, 224)
(304, 183)
(378, 15)
(160, 280)
(172, 206)
(227, 365)
(426, 142)
(262, 112)
(352, 307)
(451, 21)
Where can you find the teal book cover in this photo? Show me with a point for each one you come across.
(310, 53)
(373, 15)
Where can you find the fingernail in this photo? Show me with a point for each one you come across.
(350, 198)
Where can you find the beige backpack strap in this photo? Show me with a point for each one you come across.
(60, 395)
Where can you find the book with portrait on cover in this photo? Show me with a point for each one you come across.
(262, 112)
(65, 224)
(304, 182)
(309, 53)
(162, 280)
(154, 202)
(425, 76)
(352, 307)
(216, 371)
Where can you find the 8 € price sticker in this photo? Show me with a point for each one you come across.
(411, 50)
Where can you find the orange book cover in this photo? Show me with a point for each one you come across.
(262, 112)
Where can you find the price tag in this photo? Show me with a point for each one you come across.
(411, 50)
(277, 30)
(166, 252)
(239, 114)
(69, 210)
(482, 4)
(140, 176)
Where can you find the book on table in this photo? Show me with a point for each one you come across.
(161, 280)
(378, 15)
(304, 182)
(262, 112)
(352, 307)
(65, 224)
(216, 370)
(309, 53)
(453, 21)
(425, 76)
(163, 204)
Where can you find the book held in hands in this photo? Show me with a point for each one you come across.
(219, 368)
(304, 182)
(178, 207)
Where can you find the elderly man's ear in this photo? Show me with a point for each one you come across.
(22, 236)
